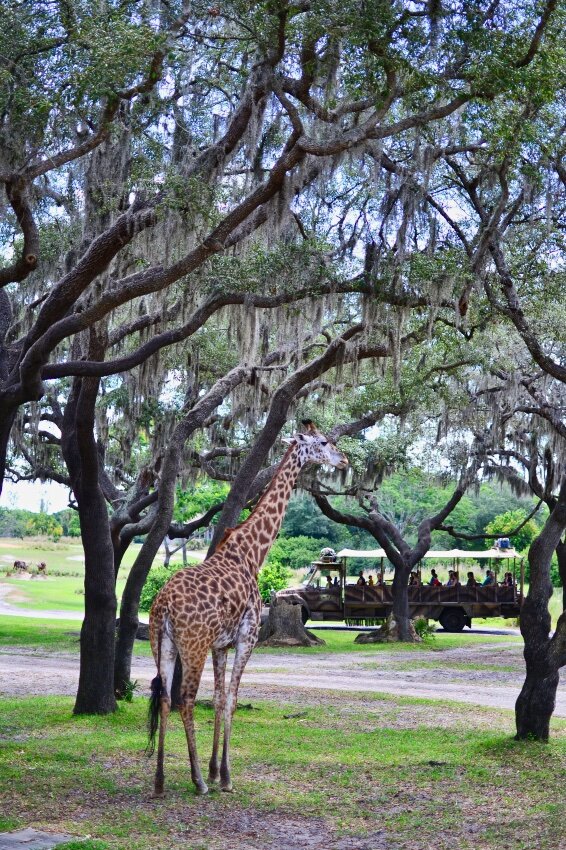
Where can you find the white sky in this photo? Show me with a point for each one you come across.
(28, 495)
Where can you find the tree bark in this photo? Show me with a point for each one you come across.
(6, 422)
(389, 633)
(95, 694)
(401, 611)
(285, 627)
(561, 555)
(543, 654)
(535, 705)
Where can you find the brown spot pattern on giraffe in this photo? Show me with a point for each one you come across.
(214, 606)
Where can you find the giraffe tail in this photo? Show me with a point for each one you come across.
(154, 707)
(153, 713)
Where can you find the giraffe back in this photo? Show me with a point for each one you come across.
(203, 606)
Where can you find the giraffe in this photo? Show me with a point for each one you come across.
(217, 606)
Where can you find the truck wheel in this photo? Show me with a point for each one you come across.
(452, 619)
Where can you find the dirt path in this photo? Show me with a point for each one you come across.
(446, 676)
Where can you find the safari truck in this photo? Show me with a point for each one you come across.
(328, 593)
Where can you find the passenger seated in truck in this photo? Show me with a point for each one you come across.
(414, 580)
(452, 579)
(434, 580)
(361, 582)
(489, 579)
(471, 580)
(328, 582)
(507, 580)
(336, 582)
(371, 582)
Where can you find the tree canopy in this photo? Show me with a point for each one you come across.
(220, 219)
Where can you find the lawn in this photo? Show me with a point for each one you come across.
(60, 636)
(359, 772)
(39, 634)
(62, 589)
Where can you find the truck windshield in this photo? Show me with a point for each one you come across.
(311, 574)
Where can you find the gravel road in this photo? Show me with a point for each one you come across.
(442, 676)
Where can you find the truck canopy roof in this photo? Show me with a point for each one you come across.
(460, 554)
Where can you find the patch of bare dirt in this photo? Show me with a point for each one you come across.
(489, 676)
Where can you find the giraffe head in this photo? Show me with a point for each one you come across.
(314, 447)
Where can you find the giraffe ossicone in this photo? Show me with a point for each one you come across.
(216, 606)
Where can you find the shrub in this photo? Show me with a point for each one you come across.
(272, 577)
(424, 629)
(294, 553)
(157, 577)
(504, 524)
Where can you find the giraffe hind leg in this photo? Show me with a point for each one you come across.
(192, 672)
(164, 680)
(245, 643)
(219, 657)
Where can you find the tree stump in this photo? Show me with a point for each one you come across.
(388, 633)
(284, 627)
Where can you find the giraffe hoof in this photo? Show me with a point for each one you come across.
(157, 795)
(228, 787)
(201, 789)
(212, 780)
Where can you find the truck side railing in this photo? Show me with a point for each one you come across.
(427, 595)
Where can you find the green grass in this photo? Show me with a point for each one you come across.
(344, 642)
(63, 593)
(53, 635)
(62, 590)
(339, 768)
(32, 633)
(64, 556)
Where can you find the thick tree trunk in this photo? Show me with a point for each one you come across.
(95, 693)
(389, 633)
(535, 704)
(6, 422)
(401, 610)
(284, 627)
(561, 555)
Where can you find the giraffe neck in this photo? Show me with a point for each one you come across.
(256, 535)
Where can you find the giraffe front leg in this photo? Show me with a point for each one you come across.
(246, 641)
(219, 657)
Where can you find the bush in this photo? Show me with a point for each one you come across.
(424, 629)
(294, 553)
(504, 524)
(157, 577)
(272, 577)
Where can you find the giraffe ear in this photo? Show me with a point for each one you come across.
(287, 441)
(310, 427)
